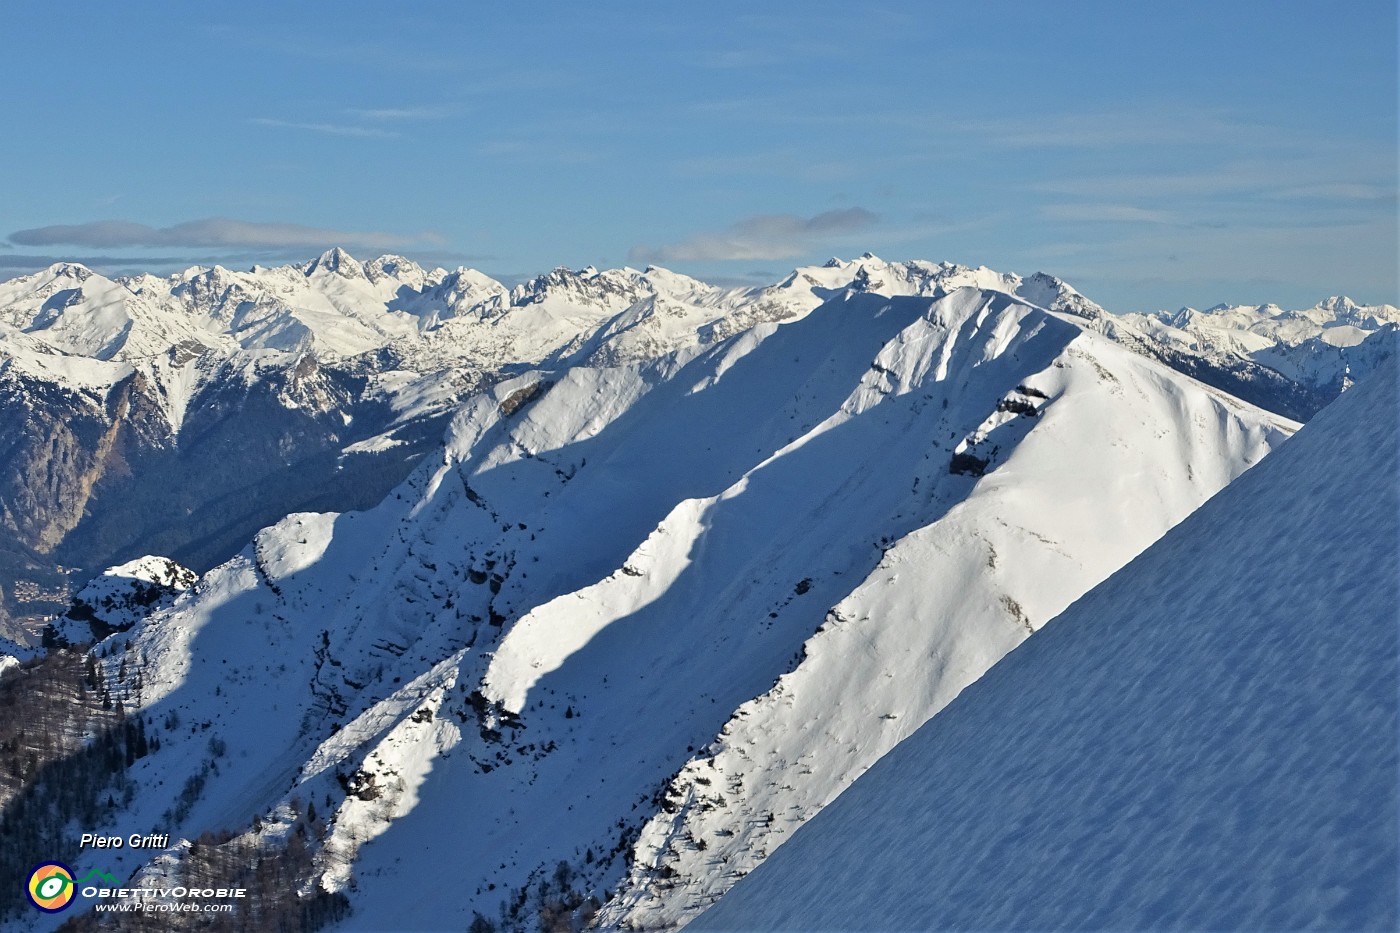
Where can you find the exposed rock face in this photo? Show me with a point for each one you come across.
(56, 445)
(96, 478)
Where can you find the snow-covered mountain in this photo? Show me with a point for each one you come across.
(1323, 348)
(181, 414)
(645, 612)
(177, 415)
(1208, 740)
(644, 571)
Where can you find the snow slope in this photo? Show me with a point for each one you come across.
(648, 618)
(1208, 740)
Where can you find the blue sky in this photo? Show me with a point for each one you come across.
(1154, 155)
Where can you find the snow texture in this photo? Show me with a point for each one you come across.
(1208, 740)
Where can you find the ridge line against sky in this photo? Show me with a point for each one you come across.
(1153, 157)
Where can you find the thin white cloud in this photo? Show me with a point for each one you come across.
(762, 237)
(23, 263)
(121, 264)
(1338, 191)
(1154, 126)
(213, 232)
(1106, 213)
(542, 153)
(329, 129)
(1358, 172)
(373, 54)
(391, 114)
(1295, 264)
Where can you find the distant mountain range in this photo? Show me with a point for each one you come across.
(588, 592)
(178, 415)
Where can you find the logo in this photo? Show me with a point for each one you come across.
(51, 886)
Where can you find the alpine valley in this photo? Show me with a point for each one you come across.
(417, 602)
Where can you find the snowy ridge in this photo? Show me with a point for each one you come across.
(1221, 755)
(700, 564)
(187, 331)
(325, 382)
(943, 603)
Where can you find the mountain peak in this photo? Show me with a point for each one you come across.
(392, 262)
(398, 268)
(74, 270)
(335, 260)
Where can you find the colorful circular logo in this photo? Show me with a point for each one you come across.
(51, 886)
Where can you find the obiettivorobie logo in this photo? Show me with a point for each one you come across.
(51, 885)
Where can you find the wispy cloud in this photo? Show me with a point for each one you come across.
(365, 122)
(774, 54)
(330, 129)
(1295, 264)
(1160, 125)
(539, 152)
(772, 162)
(1338, 191)
(403, 114)
(213, 232)
(1304, 168)
(762, 237)
(374, 54)
(125, 264)
(1107, 213)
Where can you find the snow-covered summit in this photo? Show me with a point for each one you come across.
(335, 261)
(1207, 740)
(1338, 321)
(341, 307)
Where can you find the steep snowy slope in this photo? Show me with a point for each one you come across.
(844, 517)
(1208, 740)
(646, 619)
(251, 394)
(1089, 483)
